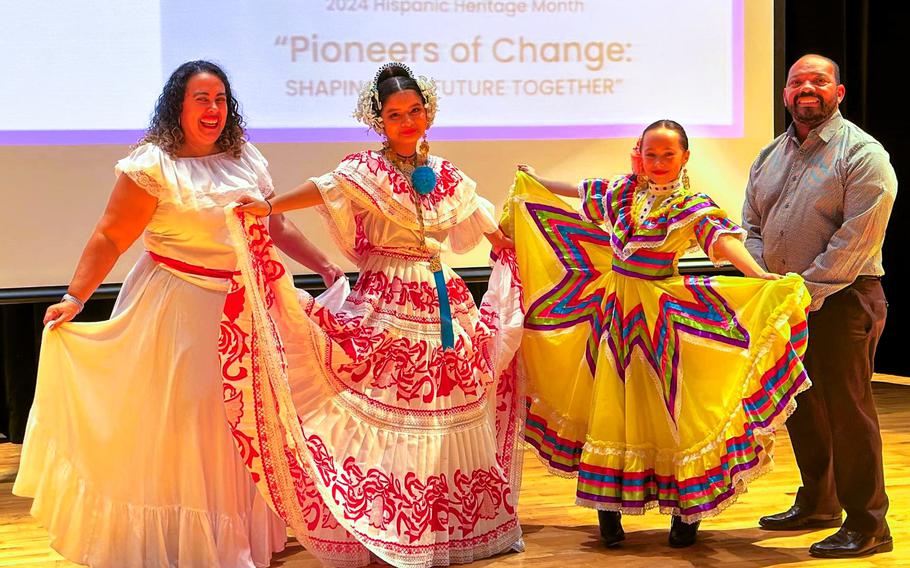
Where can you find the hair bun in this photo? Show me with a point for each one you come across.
(393, 69)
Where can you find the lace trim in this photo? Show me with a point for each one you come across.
(665, 188)
(739, 483)
(738, 232)
(266, 189)
(147, 182)
(630, 247)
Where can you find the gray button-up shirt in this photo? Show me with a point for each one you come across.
(820, 208)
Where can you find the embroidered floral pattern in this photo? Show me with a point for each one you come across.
(447, 176)
(416, 369)
(411, 505)
(394, 295)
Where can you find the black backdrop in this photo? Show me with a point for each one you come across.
(864, 37)
(868, 41)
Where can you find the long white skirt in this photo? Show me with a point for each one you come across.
(128, 453)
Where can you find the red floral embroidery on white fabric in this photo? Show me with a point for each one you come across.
(232, 340)
(412, 505)
(447, 178)
(361, 241)
(398, 292)
(268, 269)
(383, 292)
(416, 369)
(399, 509)
(232, 348)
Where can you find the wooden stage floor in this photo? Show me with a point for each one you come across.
(559, 534)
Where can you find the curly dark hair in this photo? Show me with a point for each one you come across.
(164, 130)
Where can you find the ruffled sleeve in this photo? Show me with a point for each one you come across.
(591, 192)
(147, 167)
(260, 166)
(709, 228)
(342, 216)
(468, 233)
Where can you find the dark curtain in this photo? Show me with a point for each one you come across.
(868, 39)
(20, 339)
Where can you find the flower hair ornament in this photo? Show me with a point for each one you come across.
(635, 158)
(637, 167)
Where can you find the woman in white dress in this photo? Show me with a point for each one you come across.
(128, 452)
(408, 405)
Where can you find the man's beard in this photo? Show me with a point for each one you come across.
(811, 116)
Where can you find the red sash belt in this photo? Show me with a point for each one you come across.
(191, 268)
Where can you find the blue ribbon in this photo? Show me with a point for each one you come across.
(445, 311)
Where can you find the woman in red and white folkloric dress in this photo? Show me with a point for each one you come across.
(129, 453)
(408, 406)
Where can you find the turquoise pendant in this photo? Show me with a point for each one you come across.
(424, 180)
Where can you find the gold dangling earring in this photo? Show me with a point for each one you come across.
(385, 144)
(424, 149)
(643, 181)
(685, 179)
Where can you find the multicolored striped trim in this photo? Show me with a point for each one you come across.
(799, 336)
(628, 236)
(591, 192)
(558, 453)
(646, 265)
(710, 227)
(780, 384)
(573, 300)
(695, 496)
(707, 493)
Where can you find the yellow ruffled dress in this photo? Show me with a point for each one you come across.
(653, 388)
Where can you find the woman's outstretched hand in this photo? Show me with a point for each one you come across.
(528, 170)
(500, 241)
(768, 276)
(254, 206)
(60, 313)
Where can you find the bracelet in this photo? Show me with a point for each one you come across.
(73, 299)
(269, 203)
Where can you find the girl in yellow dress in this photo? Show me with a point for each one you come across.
(656, 390)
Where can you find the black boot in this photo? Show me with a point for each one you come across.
(682, 534)
(611, 528)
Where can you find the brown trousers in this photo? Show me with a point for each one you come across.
(835, 430)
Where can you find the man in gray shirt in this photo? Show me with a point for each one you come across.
(817, 203)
